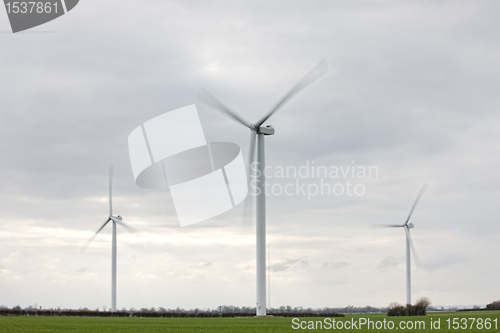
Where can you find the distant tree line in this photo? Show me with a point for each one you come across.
(418, 309)
(221, 311)
(362, 309)
(492, 306)
(17, 311)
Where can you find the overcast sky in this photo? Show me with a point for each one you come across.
(412, 90)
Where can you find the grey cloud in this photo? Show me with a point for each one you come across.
(293, 264)
(202, 265)
(388, 262)
(82, 270)
(334, 265)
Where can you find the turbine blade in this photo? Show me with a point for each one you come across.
(420, 193)
(110, 182)
(130, 229)
(387, 225)
(204, 96)
(87, 243)
(251, 151)
(318, 71)
(176, 226)
(247, 221)
(415, 255)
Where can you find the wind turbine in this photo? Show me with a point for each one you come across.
(116, 220)
(409, 243)
(258, 131)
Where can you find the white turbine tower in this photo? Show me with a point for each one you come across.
(116, 220)
(259, 131)
(409, 243)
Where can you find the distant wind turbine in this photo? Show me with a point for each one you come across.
(116, 220)
(409, 243)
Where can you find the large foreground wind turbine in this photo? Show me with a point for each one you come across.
(116, 220)
(409, 243)
(259, 130)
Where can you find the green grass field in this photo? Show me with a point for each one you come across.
(268, 324)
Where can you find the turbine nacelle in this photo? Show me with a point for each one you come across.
(116, 218)
(266, 130)
(410, 225)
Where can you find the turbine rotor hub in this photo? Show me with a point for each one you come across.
(116, 218)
